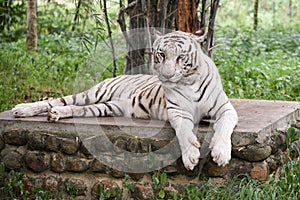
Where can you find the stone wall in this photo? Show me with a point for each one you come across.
(55, 160)
(61, 157)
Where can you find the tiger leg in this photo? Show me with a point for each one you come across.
(30, 109)
(84, 98)
(95, 110)
(226, 120)
(182, 122)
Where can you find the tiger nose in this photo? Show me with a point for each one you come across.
(167, 73)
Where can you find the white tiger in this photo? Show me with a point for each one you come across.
(185, 88)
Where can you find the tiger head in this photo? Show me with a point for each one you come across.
(177, 57)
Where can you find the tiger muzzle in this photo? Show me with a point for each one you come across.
(167, 72)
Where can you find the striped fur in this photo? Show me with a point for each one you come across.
(185, 87)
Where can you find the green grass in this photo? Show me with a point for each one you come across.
(262, 65)
(61, 66)
(27, 76)
(287, 186)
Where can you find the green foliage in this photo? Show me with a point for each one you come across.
(261, 65)
(67, 61)
(40, 193)
(12, 16)
(285, 187)
(106, 193)
(288, 185)
(103, 192)
(71, 189)
(271, 14)
(191, 192)
(28, 76)
(127, 185)
(13, 184)
(14, 187)
(293, 135)
(53, 18)
(160, 182)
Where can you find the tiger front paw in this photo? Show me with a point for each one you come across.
(220, 151)
(190, 151)
(59, 112)
(30, 109)
(190, 157)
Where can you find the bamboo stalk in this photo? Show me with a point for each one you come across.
(114, 71)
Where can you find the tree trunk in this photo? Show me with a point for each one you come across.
(290, 10)
(255, 16)
(31, 39)
(204, 9)
(114, 70)
(136, 44)
(211, 28)
(144, 14)
(76, 17)
(187, 16)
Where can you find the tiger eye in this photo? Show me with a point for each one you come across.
(181, 57)
(160, 56)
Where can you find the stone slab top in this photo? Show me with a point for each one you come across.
(256, 117)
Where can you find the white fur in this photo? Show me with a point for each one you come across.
(30, 109)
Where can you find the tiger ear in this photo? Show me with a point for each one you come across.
(200, 35)
(155, 33)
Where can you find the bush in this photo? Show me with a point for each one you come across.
(262, 64)
(28, 76)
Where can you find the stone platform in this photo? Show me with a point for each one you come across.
(65, 151)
